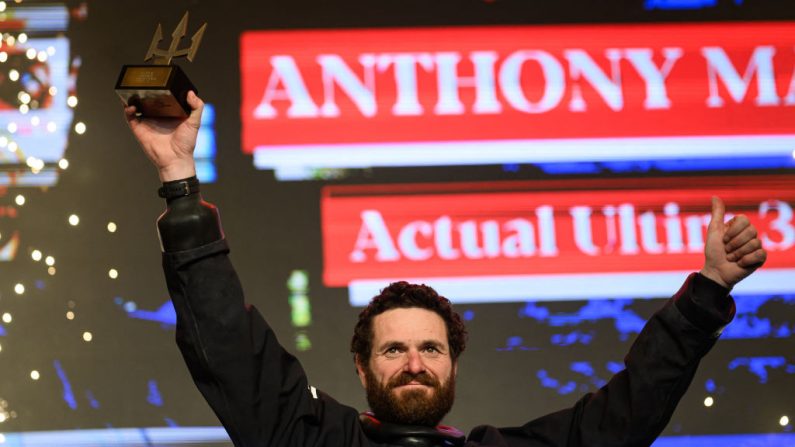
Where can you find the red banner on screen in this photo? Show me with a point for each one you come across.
(543, 227)
(506, 83)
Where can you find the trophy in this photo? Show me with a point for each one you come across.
(160, 90)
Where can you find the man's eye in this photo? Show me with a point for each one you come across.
(431, 350)
(393, 350)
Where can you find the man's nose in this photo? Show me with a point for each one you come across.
(414, 363)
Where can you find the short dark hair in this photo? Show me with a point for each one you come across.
(406, 295)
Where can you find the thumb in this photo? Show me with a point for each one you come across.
(718, 212)
(197, 106)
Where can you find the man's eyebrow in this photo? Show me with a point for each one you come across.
(399, 344)
(391, 344)
(434, 343)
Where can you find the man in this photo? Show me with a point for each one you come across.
(407, 341)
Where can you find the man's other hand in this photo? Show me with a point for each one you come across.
(733, 249)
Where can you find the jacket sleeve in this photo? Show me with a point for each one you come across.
(257, 389)
(637, 403)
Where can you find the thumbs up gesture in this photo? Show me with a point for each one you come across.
(732, 251)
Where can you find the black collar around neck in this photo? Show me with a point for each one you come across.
(410, 435)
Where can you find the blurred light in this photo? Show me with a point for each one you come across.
(7, 318)
(51, 271)
(709, 401)
(3, 418)
(53, 90)
(113, 273)
(1, 348)
(36, 255)
(12, 127)
(22, 38)
(51, 127)
(112, 227)
(80, 128)
(63, 163)
(3, 56)
(70, 315)
(41, 56)
(784, 421)
(50, 261)
(10, 40)
(31, 53)
(13, 75)
(19, 199)
(2, 6)
(3, 141)
(35, 375)
(87, 336)
(35, 121)
(71, 101)
(74, 220)
(12, 146)
(24, 97)
(35, 164)
(51, 50)
(24, 108)
(19, 289)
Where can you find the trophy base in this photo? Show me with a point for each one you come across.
(156, 91)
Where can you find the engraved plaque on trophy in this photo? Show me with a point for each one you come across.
(160, 89)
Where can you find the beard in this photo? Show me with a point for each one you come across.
(413, 406)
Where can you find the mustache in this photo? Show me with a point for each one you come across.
(422, 378)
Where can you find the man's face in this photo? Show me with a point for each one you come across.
(410, 377)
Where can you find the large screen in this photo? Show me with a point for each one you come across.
(549, 168)
(519, 94)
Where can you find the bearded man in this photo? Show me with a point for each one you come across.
(406, 346)
(407, 341)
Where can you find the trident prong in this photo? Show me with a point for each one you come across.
(178, 34)
(165, 56)
(155, 42)
(195, 41)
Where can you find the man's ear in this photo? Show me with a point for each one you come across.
(360, 370)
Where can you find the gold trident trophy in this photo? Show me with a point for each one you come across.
(161, 90)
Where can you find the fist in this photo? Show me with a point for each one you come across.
(733, 249)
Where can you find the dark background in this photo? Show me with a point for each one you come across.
(273, 228)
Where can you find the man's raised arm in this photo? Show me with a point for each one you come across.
(257, 389)
(637, 403)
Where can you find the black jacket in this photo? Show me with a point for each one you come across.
(261, 395)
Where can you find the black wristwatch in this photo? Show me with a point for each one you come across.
(179, 188)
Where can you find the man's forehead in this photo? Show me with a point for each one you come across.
(409, 324)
